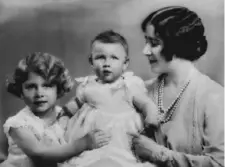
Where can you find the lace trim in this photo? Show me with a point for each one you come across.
(160, 154)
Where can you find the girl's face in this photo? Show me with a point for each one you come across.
(39, 95)
(108, 60)
(153, 51)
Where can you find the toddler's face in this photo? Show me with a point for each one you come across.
(39, 95)
(108, 60)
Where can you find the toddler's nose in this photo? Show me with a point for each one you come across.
(106, 63)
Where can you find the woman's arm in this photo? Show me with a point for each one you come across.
(38, 152)
(151, 151)
(212, 141)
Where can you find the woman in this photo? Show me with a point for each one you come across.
(190, 104)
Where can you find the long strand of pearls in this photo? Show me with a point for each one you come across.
(164, 115)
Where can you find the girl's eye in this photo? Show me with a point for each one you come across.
(30, 86)
(48, 85)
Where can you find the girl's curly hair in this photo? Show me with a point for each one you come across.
(47, 66)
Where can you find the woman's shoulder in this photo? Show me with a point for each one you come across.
(208, 88)
(209, 95)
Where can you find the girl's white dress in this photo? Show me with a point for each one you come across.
(48, 135)
(112, 111)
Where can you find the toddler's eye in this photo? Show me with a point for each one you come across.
(99, 57)
(114, 57)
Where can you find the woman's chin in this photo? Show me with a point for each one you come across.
(155, 68)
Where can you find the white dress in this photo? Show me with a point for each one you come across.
(49, 135)
(112, 111)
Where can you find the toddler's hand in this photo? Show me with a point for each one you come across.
(97, 138)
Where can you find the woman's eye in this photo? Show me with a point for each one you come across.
(155, 42)
(152, 42)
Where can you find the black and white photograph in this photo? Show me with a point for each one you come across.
(112, 83)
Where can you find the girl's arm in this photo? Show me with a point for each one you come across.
(75, 103)
(72, 106)
(38, 152)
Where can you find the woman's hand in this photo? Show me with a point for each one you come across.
(141, 145)
(97, 138)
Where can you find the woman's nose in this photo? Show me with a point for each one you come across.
(147, 49)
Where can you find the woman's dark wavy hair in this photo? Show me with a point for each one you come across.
(47, 66)
(181, 30)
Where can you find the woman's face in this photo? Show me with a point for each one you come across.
(153, 51)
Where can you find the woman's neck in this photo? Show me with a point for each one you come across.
(179, 72)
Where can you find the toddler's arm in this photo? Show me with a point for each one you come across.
(147, 107)
(75, 103)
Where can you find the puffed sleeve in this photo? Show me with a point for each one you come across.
(212, 138)
(15, 122)
(134, 83)
(76, 102)
(22, 120)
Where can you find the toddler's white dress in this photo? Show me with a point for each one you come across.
(112, 111)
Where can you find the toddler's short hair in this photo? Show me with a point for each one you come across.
(110, 36)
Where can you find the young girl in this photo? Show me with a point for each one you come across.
(113, 96)
(35, 135)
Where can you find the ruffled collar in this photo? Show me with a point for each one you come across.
(27, 110)
(120, 82)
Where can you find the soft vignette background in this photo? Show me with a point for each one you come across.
(65, 28)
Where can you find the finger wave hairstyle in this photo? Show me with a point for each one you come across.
(181, 31)
(47, 66)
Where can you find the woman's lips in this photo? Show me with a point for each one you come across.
(152, 61)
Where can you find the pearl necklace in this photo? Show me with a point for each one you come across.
(164, 115)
